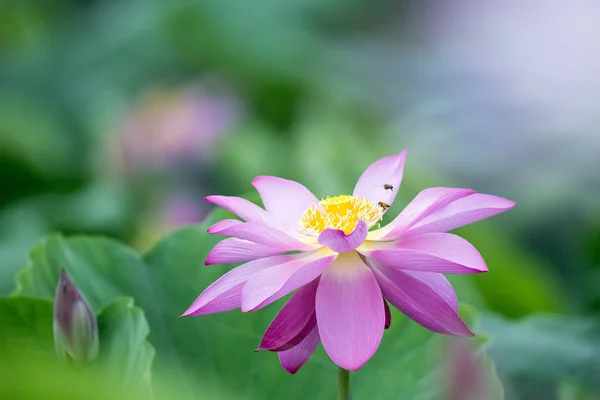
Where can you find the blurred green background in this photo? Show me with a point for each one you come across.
(117, 117)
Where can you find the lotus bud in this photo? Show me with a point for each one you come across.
(75, 325)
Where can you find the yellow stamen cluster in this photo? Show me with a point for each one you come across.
(341, 213)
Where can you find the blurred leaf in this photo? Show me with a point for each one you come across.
(25, 23)
(125, 354)
(27, 354)
(265, 40)
(21, 227)
(571, 390)
(543, 350)
(531, 284)
(40, 378)
(217, 351)
(100, 207)
(32, 134)
(251, 151)
(26, 328)
(591, 245)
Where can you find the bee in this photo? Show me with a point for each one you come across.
(383, 205)
(387, 186)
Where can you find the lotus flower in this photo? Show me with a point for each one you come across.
(340, 269)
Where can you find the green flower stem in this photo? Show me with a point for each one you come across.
(343, 384)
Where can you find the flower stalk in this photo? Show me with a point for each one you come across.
(343, 384)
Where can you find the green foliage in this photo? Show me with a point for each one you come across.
(21, 228)
(544, 350)
(125, 354)
(31, 134)
(31, 370)
(266, 40)
(26, 328)
(571, 390)
(25, 223)
(533, 286)
(215, 354)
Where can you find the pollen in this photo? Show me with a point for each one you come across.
(341, 213)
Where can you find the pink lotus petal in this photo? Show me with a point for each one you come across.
(430, 252)
(425, 203)
(339, 242)
(263, 289)
(250, 212)
(287, 200)
(295, 357)
(388, 315)
(243, 208)
(420, 301)
(462, 212)
(350, 312)
(386, 171)
(225, 293)
(234, 250)
(310, 325)
(221, 225)
(438, 283)
(260, 233)
(295, 320)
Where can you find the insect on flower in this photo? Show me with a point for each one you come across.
(387, 186)
(343, 272)
(383, 205)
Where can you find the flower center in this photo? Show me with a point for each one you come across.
(340, 213)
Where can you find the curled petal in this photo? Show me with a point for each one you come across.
(226, 292)
(295, 357)
(462, 212)
(218, 227)
(388, 315)
(285, 199)
(420, 301)
(250, 212)
(234, 250)
(381, 180)
(260, 233)
(350, 312)
(269, 286)
(429, 252)
(424, 204)
(339, 242)
(310, 325)
(293, 322)
(243, 208)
